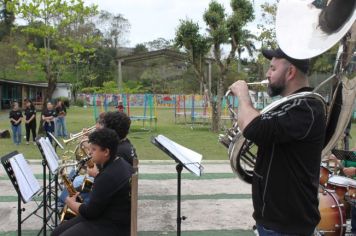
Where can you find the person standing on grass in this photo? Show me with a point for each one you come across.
(30, 121)
(15, 119)
(61, 129)
(48, 116)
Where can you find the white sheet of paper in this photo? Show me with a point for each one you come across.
(188, 157)
(26, 180)
(50, 154)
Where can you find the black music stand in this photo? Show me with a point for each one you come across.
(15, 173)
(50, 160)
(184, 157)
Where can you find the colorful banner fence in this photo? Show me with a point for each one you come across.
(194, 106)
(139, 100)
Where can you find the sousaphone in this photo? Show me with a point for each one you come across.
(304, 29)
(308, 28)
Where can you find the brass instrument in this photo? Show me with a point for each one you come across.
(87, 184)
(241, 153)
(81, 150)
(313, 42)
(67, 213)
(78, 135)
(263, 82)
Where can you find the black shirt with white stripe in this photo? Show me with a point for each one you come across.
(286, 177)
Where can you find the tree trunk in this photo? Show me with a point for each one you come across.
(216, 116)
(216, 105)
(52, 83)
(239, 62)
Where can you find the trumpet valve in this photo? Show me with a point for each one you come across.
(225, 140)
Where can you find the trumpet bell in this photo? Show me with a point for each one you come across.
(242, 157)
(299, 30)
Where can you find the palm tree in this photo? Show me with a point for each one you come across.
(245, 41)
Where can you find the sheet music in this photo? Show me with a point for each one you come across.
(25, 178)
(188, 157)
(50, 154)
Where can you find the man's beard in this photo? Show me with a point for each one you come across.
(275, 89)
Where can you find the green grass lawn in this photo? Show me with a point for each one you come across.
(197, 137)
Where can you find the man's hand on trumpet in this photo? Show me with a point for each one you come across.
(246, 111)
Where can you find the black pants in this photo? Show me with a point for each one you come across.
(30, 127)
(49, 127)
(81, 226)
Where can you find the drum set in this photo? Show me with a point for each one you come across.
(337, 194)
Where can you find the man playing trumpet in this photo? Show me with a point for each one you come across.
(290, 140)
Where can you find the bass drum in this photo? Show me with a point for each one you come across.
(324, 175)
(332, 213)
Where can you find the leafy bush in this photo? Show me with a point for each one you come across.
(79, 102)
(90, 90)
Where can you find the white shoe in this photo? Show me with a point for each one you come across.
(27, 143)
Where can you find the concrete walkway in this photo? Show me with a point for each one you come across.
(216, 203)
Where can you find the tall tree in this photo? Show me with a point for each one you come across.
(140, 48)
(196, 45)
(54, 21)
(114, 28)
(246, 42)
(267, 34)
(323, 63)
(7, 19)
(158, 44)
(223, 30)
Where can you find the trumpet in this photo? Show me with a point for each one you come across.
(229, 93)
(79, 135)
(263, 82)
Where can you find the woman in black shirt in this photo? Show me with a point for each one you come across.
(15, 119)
(48, 116)
(30, 121)
(108, 210)
(61, 129)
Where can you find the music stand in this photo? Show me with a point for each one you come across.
(22, 179)
(50, 159)
(184, 157)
